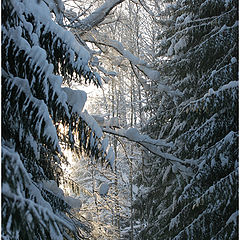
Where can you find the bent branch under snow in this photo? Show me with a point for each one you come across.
(152, 146)
(98, 16)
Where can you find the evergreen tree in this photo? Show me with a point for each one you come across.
(38, 117)
(198, 61)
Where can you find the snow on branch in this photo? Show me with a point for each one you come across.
(152, 145)
(98, 16)
(141, 65)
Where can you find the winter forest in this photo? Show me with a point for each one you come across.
(119, 119)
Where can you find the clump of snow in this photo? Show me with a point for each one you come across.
(57, 7)
(29, 217)
(211, 189)
(34, 145)
(213, 73)
(103, 190)
(37, 8)
(210, 91)
(213, 162)
(15, 34)
(43, 114)
(113, 122)
(98, 78)
(174, 222)
(110, 157)
(38, 55)
(174, 168)
(188, 19)
(170, 50)
(224, 160)
(92, 123)
(56, 82)
(52, 186)
(104, 144)
(19, 169)
(224, 27)
(42, 13)
(227, 2)
(76, 99)
(112, 73)
(133, 134)
(99, 119)
(232, 84)
(180, 45)
(233, 218)
(180, 18)
(5, 187)
(140, 64)
(73, 202)
(95, 61)
(233, 60)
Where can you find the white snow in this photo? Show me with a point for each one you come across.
(233, 60)
(112, 73)
(170, 49)
(52, 186)
(211, 189)
(187, 19)
(29, 217)
(110, 156)
(99, 14)
(174, 222)
(113, 122)
(166, 173)
(152, 145)
(224, 159)
(133, 134)
(99, 119)
(15, 34)
(92, 123)
(140, 64)
(20, 170)
(233, 218)
(103, 190)
(38, 55)
(42, 14)
(56, 82)
(180, 45)
(37, 9)
(232, 84)
(227, 2)
(104, 144)
(73, 202)
(33, 144)
(43, 114)
(76, 99)
(57, 7)
(180, 18)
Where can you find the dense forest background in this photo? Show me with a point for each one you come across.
(119, 119)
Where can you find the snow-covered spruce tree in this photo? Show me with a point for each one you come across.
(38, 55)
(198, 61)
